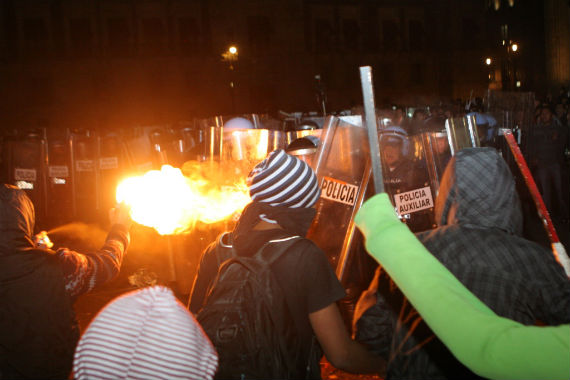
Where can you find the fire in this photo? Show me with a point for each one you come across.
(173, 203)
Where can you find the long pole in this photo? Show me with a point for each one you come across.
(557, 247)
(370, 121)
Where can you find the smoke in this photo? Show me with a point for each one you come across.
(77, 233)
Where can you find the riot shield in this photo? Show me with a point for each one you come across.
(24, 160)
(242, 148)
(462, 133)
(518, 109)
(59, 184)
(409, 179)
(146, 149)
(83, 158)
(110, 168)
(437, 154)
(342, 168)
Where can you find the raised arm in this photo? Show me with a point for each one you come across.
(84, 272)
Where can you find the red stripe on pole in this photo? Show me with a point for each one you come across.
(541, 208)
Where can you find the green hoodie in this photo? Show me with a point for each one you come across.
(491, 346)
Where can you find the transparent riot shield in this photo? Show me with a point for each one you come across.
(146, 148)
(342, 168)
(437, 154)
(59, 184)
(24, 158)
(518, 110)
(462, 133)
(409, 179)
(110, 168)
(241, 148)
(342, 165)
(186, 144)
(83, 174)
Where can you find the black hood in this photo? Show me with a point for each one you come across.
(16, 219)
(478, 190)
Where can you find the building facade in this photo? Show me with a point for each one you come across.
(120, 63)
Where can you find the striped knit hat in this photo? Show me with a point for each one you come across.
(146, 334)
(283, 180)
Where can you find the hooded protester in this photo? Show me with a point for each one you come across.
(284, 190)
(491, 346)
(478, 240)
(38, 328)
(145, 334)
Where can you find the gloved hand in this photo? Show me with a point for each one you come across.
(376, 214)
(42, 240)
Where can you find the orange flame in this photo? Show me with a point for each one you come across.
(172, 203)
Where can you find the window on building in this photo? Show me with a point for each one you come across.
(101, 84)
(189, 36)
(390, 35)
(153, 36)
(80, 37)
(416, 35)
(470, 31)
(387, 74)
(370, 31)
(323, 35)
(118, 36)
(35, 35)
(260, 32)
(417, 74)
(41, 91)
(351, 34)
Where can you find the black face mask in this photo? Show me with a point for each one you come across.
(296, 221)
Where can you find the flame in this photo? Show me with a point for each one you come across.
(172, 203)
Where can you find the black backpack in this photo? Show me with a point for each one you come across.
(247, 318)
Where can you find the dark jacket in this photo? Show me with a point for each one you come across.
(38, 329)
(479, 241)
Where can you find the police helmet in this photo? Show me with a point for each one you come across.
(395, 134)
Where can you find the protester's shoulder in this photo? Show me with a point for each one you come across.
(307, 248)
(304, 256)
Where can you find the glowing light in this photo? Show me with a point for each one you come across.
(488, 61)
(172, 203)
(232, 50)
(515, 47)
(518, 83)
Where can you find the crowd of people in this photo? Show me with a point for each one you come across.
(264, 301)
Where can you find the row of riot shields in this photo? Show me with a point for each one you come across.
(64, 172)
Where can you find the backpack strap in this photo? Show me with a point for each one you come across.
(224, 248)
(294, 310)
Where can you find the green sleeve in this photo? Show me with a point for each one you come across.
(491, 346)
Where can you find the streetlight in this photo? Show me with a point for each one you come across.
(231, 56)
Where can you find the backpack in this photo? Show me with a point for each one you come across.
(247, 318)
